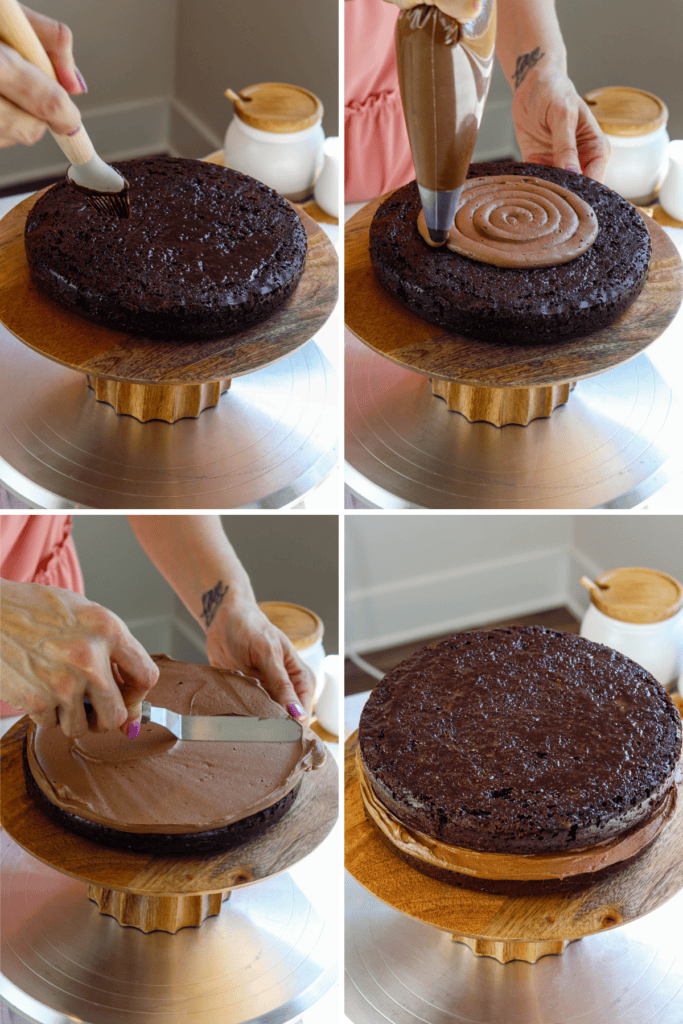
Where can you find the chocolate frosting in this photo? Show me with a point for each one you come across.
(520, 740)
(156, 783)
(513, 221)
(513, 867)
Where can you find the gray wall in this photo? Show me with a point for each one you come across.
(627, 42)
(157, 70)
(222, 44)
(654, 541)
(288, 557)
(609, 42)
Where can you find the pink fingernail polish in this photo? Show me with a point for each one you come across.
(81, 80)
(133, 730)
(296, 711)
(576, 170)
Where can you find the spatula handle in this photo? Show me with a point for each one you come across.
(16, 30)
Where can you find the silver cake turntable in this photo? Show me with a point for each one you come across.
(268, 442)
(613, 445)
(265, 957)
(402, 970)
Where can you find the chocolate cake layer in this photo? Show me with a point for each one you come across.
(206, 252)
(161, 843)
(156, 785)
(520, 740)
(537, 305)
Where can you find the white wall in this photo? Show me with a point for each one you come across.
(414, 576)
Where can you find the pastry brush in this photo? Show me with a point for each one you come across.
(103, 187)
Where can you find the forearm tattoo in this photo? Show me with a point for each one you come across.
(524, 65)
(211, 602)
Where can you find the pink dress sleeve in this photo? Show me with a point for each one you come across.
(38, 549)
(376, 149)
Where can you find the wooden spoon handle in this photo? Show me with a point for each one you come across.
(16, 30)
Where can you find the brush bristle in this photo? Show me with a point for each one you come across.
(111, 203)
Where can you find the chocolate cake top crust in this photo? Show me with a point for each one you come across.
(158, 784)
(520, 740)
(511, 304)
(205, 252)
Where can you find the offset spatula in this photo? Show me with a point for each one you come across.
(228, 728)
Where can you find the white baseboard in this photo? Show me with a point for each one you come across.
(167, 634)
(120, 131)
(189, 642)
(154, 633)
(425, 606)
(188, 134)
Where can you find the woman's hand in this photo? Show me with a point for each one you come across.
(30, 101)
(57, 648)
(554, 126)
(241, 637)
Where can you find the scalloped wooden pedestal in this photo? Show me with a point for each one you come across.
(167, 402)
(505, 951)
(508, 927)
(501, 405)
(152, 913)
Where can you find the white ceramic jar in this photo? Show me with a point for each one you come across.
(639, 612)
(327, 707)
(634, 122)
(671, 192)
(305, 630)
(277, 137)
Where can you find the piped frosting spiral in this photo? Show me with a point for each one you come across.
(515, 221)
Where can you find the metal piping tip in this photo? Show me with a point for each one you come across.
(439, 210)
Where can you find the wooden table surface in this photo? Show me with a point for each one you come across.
(391, 330)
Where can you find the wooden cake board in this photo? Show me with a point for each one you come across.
(504, 927)
(164, 893)
(151, 379)
(497, 383)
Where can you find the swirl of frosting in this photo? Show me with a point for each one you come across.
(518, 221)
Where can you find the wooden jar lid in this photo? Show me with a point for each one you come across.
(627, 112)
(637, 595)
(301, 625)
(276, 107)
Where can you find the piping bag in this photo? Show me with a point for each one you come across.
(444, 72)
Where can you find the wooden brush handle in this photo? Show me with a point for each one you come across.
(16, 30)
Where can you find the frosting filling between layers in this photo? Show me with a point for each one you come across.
(156, 783)
(513, 867)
